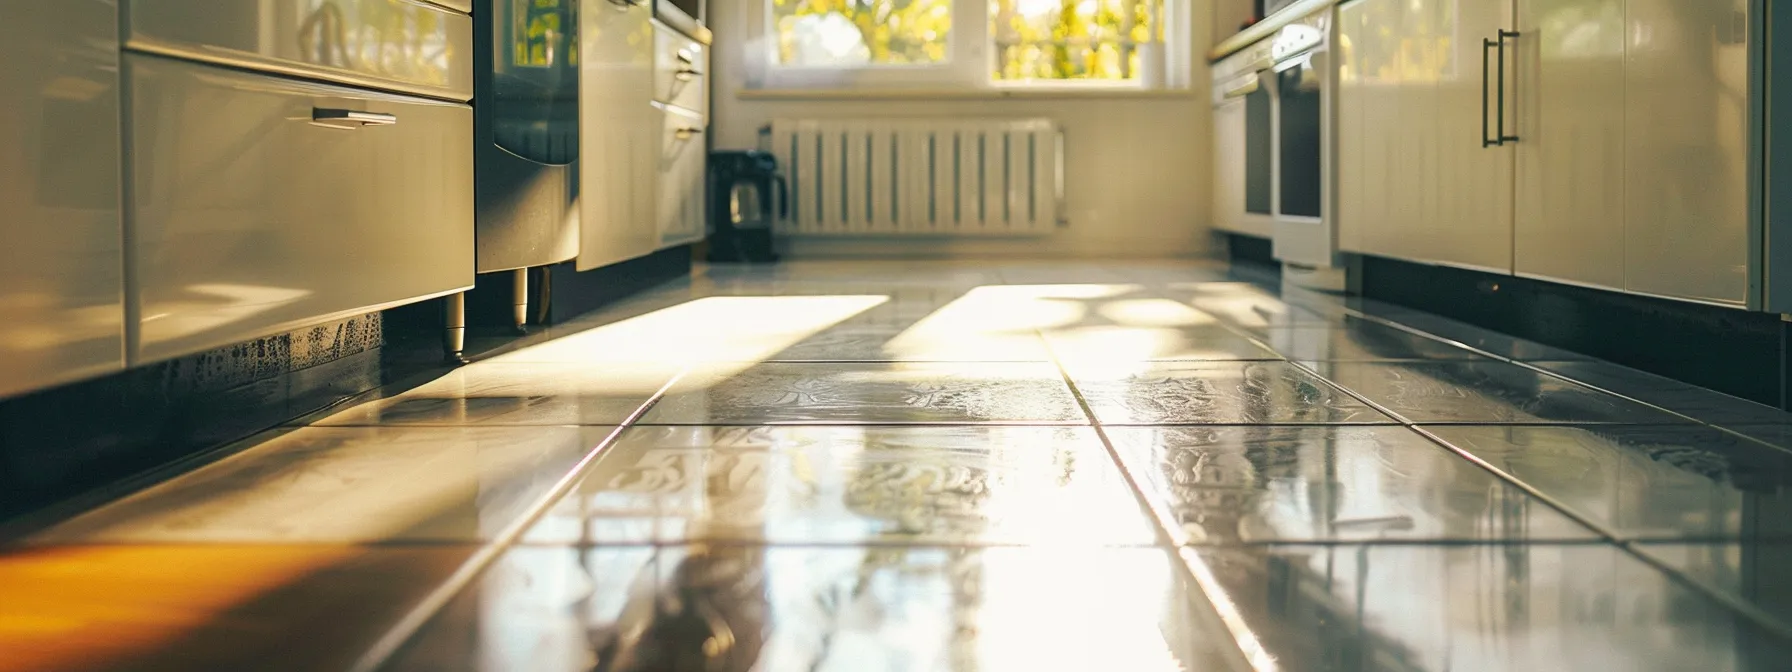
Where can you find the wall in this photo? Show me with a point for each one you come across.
(1136, 166)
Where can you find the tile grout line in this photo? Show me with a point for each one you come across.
(407, 627)
(1249, 648)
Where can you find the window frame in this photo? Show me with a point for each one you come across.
(970, 59)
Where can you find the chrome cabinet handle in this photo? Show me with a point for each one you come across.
(1487, 47)
(1501, 112)
(350, 119)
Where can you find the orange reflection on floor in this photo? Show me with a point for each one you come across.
(207, 606)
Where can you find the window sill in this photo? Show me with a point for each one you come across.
(1041, 93)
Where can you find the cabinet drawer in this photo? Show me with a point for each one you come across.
(681, 70)
(404, 45)
(681, 205)
(255, 209)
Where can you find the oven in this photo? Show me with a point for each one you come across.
(1304, 79)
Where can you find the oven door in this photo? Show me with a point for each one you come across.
(1232, 162)
(1259, 149)
(1303, 232)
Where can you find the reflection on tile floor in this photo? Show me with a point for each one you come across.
(780, 392)
(1485, 607)
(868, 484)
(1265, 484)
(1646, 482)
(740, 608)
(989, 466)
(1239, 393)
(1488, 392)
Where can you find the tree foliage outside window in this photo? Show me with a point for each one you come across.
(1071, 39)
(1030, 39)
(856, 33)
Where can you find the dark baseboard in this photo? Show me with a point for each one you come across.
(1245, 249)
(1732, 351)
(71, 439)
(77, 445)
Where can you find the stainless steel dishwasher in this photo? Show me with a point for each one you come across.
(526, 120)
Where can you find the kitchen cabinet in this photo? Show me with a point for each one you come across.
(1414, 177)
(1686, 149)
(261, 204)
(681, 207)
(620, 134)
(1627, 160)
(1571, 159)
(681, 94)
(61, 237)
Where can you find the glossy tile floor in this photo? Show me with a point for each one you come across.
(932, 466)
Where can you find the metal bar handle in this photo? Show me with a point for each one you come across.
(685, 74)
(1504, 138)
(1487, 47)
(340, 118)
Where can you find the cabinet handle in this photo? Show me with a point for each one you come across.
(350, 119)
(685, 74)
(1487, 47)
(686, 133)
(1504, 138)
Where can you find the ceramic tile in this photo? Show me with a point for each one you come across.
(1135, 344)
(349, 485)
(1483, 392)
(869, 393)
(1267, 484)
(879, 485)
(1758, 574)
(1683, 398)
(1479, 607)
(1361, 340)
(1660, 482)
(916, 345)
(1246, 306)
(1216, 393)
(739, 608)
(492, 393)
(209, 606)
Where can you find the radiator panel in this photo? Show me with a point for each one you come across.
(870, 177)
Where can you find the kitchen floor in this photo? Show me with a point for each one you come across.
(887, 466)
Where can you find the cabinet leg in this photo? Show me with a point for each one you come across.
(519, 299)
(454, 333)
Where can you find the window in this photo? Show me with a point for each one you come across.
(966, 42)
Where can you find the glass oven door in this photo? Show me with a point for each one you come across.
(535, 79)
(1299, 99)
(1259, 151)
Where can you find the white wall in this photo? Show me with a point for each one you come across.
(1136, 168)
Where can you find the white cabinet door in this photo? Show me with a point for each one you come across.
(1354, 30)
(1569, 59)
(1377, 178)
(619, 134)
(1686, 149)
(1469, 194)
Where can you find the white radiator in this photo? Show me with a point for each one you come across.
(878, 177)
